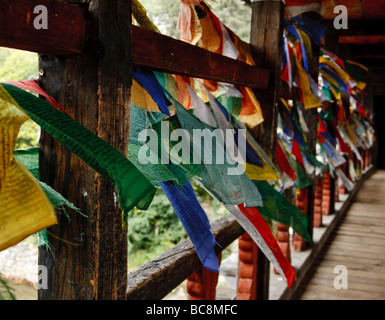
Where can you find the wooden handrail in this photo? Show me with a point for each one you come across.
(156, 278)
(158, 52)
(66, 35)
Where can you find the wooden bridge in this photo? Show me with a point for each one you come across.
(86, 58)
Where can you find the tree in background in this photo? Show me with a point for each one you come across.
(235, 14)
(20, 65)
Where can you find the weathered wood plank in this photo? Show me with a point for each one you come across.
(156, 278)
(363, 232)
(328, 292)
(365, 222)
(359, 245)
(158, 52)
(356, 282)
(65, 33)
(266, 39)
(89, 258)
(352, 227)
(357, 239)
(355, 262)
(347, 248)
(318, 247)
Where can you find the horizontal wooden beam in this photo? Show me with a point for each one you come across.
(65, 33)
(362, 40)
(360, 28)
(158, 52)
(156, 278)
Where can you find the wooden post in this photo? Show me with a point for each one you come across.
(327, 194)
(318, 199)
(332, 44)
(266, 46)
(311, 136)
(89, 259)
(302, 200)
(248, 268)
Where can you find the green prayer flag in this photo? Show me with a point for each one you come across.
(133, 188)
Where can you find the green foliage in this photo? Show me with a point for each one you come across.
(20, 65)
(158, 229)
(17, 65)
(27, 137)
(164, 14)
(158, 225)
(233, 13)
(153, 231)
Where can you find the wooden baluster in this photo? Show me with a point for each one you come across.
(311, 119)
(247, 271)
(299, 244)
(326, 193)
(202, 284)
(366, 158)
(283, 239)
(352, 159)
(341, 188)
(362, 164)
(334, 190)
(318, 202)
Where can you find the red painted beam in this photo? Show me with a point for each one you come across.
(362, 39)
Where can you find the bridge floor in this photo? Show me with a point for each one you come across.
(357, 245)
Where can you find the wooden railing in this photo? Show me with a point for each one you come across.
(86, 60)
(157, 278)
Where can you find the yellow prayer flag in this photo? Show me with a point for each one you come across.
(361, 85)
(309, 99)
(341, 73)
(255, 172)
(141, 98)
(24, 207)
